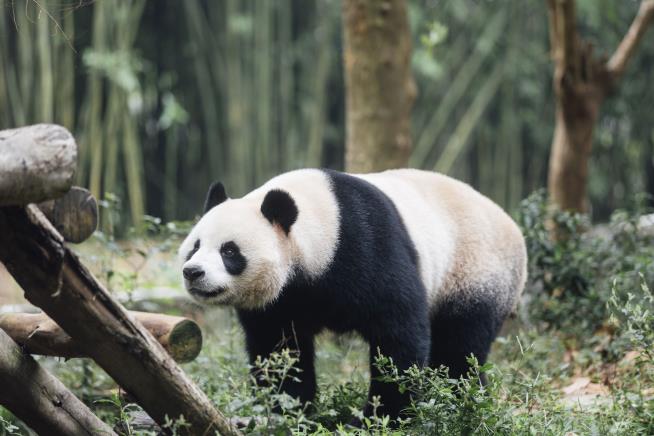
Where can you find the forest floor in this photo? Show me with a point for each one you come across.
(577, 359)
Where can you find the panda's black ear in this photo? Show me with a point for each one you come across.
(215, 196)
(279, 208)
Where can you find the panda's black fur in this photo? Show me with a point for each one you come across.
(373, 287)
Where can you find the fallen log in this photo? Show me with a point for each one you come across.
(37, 163)
(55, 280)
(75, 215)
(41, 400)
(38, 334)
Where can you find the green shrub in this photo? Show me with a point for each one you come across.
(570, 278)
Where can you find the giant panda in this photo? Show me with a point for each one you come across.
(422, 266)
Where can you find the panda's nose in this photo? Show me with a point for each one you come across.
(192, 273)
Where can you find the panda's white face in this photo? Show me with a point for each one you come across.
(236, 256)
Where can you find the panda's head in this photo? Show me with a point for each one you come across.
(239, 253)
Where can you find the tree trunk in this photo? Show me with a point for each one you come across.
(54, 279)
(380, 90)
(39, 399)
(37, 163)
(38, 334)
(581, 82)
(571, 148)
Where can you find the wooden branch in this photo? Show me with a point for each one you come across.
(75, 215)
(39, 399)
(37, 163)
(38, 334)
(55, 280)
(627, 46)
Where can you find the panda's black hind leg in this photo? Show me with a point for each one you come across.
(461, 327)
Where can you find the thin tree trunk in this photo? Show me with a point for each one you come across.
(581, 82)
(379, 86)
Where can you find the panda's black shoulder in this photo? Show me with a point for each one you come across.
(370, 223)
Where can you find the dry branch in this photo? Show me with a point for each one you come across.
(38, 334)
(39, 399)
(75, 215)
(55, 280)
(37, 163)
(625, 50)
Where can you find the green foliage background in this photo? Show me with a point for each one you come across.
(166, 96)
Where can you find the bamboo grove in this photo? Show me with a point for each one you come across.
(167, 96)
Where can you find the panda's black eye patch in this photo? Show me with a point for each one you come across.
(229, 249)
(233, 260)
(195, 249)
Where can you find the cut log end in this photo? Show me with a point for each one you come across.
(75, 215)
(185, 341)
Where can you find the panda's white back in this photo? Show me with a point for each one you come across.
(463, 239)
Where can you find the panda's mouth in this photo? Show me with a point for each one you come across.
(206, 294)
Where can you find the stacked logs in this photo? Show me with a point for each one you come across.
(80, 318)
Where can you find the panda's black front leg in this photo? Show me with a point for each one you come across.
(264, 337)
(301, 380)
(406, 343)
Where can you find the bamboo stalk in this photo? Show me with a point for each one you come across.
(262, 67)
(171, 166)
(466, 126)
(457, 89)
(133, 169)
(286, 58)
(44, 49)
(93, 150)
(5, 114)
(26, 36)
(198, 28)
(66, 101)
(234, 103)
(316, 124)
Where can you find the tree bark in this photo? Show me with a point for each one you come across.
(37, 163)
(38, 334)
(581, 83)
(54, 279)
(380, 90)
(39, 399)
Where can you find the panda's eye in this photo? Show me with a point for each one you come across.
(228, 249)
(228, 252)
